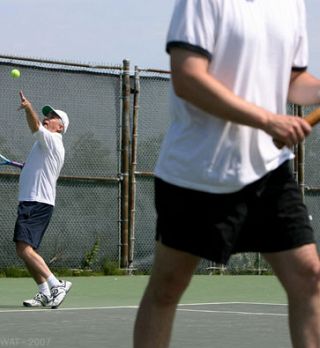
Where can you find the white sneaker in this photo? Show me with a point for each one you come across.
(40, 300)
(59, 293)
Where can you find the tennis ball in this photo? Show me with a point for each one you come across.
(15, 73)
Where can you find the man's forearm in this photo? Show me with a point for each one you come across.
(193, 83)
(32, 119)
(213, 97)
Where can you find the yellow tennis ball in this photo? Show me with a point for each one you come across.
(15, 73)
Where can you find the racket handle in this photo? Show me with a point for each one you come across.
(17, 164)
(313, 118)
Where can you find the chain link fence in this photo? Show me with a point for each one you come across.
(105, 193)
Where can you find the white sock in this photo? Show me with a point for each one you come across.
(44, 289)
(53, 281)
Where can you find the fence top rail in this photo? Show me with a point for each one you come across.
(159, 71)
(13, 59)
(27, 61)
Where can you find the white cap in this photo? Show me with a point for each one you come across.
(64, 117)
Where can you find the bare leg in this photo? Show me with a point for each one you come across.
(33, 261)
(171, 273)
(299, 272)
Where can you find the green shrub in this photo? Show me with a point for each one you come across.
(91, 256)
(112, 268)
(15, 272)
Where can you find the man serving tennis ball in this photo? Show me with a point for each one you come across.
(37, 193)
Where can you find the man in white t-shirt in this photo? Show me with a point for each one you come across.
(222, 186)
(37, 194)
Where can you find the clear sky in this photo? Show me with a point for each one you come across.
(104, 31)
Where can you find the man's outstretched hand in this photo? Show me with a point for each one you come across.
(25, 104)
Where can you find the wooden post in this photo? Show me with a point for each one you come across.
(125, 154)
(133, 166)
(301, 159)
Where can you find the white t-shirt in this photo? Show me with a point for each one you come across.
(40, 173)
(252, 46)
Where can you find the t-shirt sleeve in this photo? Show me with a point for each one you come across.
(45, 138)
(192, 26)
(301, 57)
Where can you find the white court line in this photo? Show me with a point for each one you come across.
(135, 307)
(231, 303)
(31, 310)
(232, 312)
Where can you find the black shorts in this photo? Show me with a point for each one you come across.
(32, 222)
(265, 216)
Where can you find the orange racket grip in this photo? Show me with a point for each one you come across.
(313, 118)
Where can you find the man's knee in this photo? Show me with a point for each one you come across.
(313, 277)
(23, 250)
(171, 274)
(169, 290)
(306, 281)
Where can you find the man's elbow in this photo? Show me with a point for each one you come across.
(34, 127)
(181, 85)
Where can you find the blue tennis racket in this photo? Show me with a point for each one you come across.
(4, 161)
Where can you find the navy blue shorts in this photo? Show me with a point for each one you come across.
(266, 216)
(32, 222)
